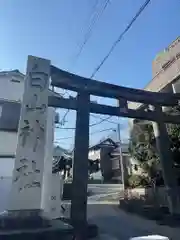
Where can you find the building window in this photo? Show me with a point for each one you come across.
(168, 63)
(177, 55)
(15, 80)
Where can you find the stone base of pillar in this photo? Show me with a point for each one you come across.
(32, 225)
(23, 219)
(92, 230)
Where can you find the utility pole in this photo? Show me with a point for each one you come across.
(123, 107)
(121, 156)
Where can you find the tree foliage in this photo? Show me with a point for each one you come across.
(143, 147)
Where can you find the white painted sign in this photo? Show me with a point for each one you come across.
(28, 174)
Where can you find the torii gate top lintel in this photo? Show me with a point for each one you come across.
(64, 79)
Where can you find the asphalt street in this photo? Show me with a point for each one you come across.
(104, 191)
(113, 223)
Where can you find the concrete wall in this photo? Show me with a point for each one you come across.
(148, 193)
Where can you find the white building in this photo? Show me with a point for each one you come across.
(165, 79)
(11, 93)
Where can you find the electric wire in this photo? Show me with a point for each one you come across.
(95, 132)
(89, 32)
(141, 9)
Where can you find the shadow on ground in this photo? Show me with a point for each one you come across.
(112, 222)
(148, 210)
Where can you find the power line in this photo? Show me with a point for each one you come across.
(91, 125)
(120, 37)
(64, 138)
(68, 128)
(88, 34)
(93, 11)
(102, 120)
(114, 44)
(107, 120)
(94, 21)
(103, 130)
(62, 121)
(78, 54)
(98, 131)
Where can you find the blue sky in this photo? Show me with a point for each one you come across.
(55, 29)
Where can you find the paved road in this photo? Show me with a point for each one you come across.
(99, 191)
(112, 222)
(115, 224)
(105, 215)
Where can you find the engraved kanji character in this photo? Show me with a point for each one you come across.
(40, 134)
(23, 160)
(19, 172)
(38, 80)
(33, 103)
(30, 173)
(42, 108)
(25, 132)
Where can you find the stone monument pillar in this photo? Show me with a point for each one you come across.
(30, 195)
(29, 175)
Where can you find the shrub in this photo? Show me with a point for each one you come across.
(137, 181)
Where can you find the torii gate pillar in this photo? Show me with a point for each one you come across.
(163, 146)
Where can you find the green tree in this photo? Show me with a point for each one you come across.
(143, 150)
(143, 146)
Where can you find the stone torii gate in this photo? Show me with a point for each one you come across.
(30, 171)
(154, 101)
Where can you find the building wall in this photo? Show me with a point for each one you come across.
(11, 86)
(8, 141)
(166, 78)
(165, 70)
(11, 92)
(94, 154)
(162, 61)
